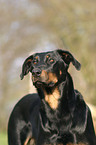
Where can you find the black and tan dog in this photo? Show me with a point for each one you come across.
(57, 114)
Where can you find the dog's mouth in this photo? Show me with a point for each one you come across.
(45, 80)
(38, 84)
(41, 84)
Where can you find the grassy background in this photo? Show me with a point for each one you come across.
(3, 138)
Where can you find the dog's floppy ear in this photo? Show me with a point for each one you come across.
(68, 57)
(27, 66)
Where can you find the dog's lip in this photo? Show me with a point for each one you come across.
(51, 84)
(40, 84)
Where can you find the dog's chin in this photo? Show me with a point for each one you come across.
(39, 84)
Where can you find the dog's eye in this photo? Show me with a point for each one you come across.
(51, 60)
(35, 61)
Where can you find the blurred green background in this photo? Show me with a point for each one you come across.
(28, 26)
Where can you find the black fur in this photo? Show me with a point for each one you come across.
(57, 114)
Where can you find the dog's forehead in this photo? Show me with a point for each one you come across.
(43, 55)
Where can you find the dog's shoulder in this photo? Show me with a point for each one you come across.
(80, 102)
(26, 104)
(80, 112)
(28, 100)
(79, 98)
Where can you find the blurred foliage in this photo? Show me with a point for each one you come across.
(27, 26)
(3, 138)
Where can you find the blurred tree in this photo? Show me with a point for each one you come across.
(28, 26)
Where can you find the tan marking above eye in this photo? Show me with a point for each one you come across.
(47, 56)
(35, 61)
(36, 57)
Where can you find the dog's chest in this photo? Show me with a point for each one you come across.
(53, 98)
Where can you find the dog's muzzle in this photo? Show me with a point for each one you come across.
(43, 78)
(36, 72)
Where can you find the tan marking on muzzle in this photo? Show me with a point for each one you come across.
(44, 75)
(52, 99)
(52, 78)
(48, 77)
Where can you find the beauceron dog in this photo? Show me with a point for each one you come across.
(57, 114)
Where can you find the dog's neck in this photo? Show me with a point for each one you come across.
(67, 94)
(52, 98)
(59, 96)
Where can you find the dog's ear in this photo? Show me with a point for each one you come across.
(68, 57)
(27, 66)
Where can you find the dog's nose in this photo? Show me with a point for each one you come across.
(36, 72)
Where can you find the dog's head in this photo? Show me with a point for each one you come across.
(48, 68)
